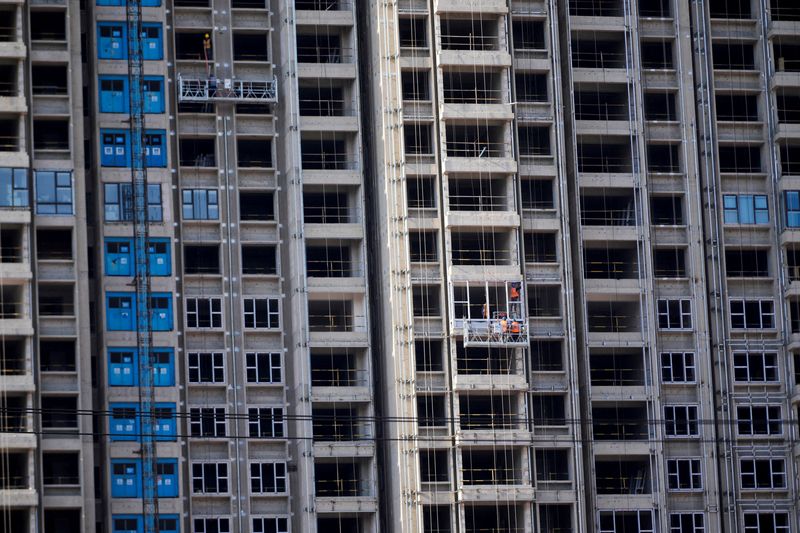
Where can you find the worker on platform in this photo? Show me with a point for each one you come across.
(514, 291)
(207, 50)
(515, 329)
(212, 85)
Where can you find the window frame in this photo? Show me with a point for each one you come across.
(197, 367)
(59, 190)
(268, 471)
(766, 318)
(205, 520)
(784, 528)
(250, 313)
(695, 527)
(123, 192)
(766, 367)
(688, 363)
(264, 519)
(749, 477)
(674, 474)
(208, 208)
(745, 209)
(672, 421)
(254, 368)
(685, 316)
(265, 422)
(208, 422)
(193, 314)
(768, 421)
(221, 475)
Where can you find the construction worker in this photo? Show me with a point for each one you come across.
(485, 310)
(207, 50)
(212, 85)
(515, 329)
(513, 292)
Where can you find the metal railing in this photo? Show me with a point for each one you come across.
(323, 55)
(336, 323)
(339, 377)
(476, 95)
(476, 149)
(328, 161)
(603, 60)
(209, 89)
(329, 107)
(475, 43)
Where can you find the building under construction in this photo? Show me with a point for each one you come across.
(402, 266)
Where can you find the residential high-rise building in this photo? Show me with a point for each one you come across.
(446, 266)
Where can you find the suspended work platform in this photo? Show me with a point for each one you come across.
(228, 90)
(491, 314)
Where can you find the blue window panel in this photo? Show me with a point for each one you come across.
(123, 423)
(792, 209)
(152, 47)
(126, 523)
(122, 367)
(120, 311)
(158, 252)
(730, 207)
(154, 149)
(125, 478)
(154, 94)
(167, 479)
(161, 311)
(163, 367)
(114, 148)
(166, 424)
(119, 257)
(111, 40)
(145, 3)
(114, 96)
(747, 214)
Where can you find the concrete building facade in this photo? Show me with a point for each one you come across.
(416, 266)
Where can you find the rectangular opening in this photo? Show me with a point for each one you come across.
(548, 410)
(528, 34)
(530, 87)
(46, 79)
(599, 52)
(45, 25)
(421, 192)
(484, 248)
(793, 262)
(596, 8)
(254, 153)
(327, 152)
(323, 48)
(11, 299)
(487, 467)
(660, 106)
(666, 210)
(739, 158)
(56, 300)
(431, 411)
(481, 194)
(472, 87)
(610, 263)
(53, 244)
(625, 421)
(732, 107)
(664, 158)
(492, 412)
(534, 141)
(13, 414)
(336, 367)
(416, 85)
(787, 55)
(730, 9)
(340, 479)
(485, 360)
(601, 104)
(8, 24)
(326, 207)
(537, 194)
(428, 355)
(250, 46)
(259, 259)
(412, 32)
(57, 356)
(669, 262)
(790, 158)
(201, 259)
(339, 424)
(788, 104)
(784, 11)
(475, 141)
(613, 317)
(50, 134)
(616, 367)
(546, 356)
(256, 206)
(540, 247)
(749, 263)
(555, 518)
(495, 518)
(418, 140)
(60, 468)
(60, 413)
(330, 260)
(321, 100)
(189, 46)
(13, 356)
(425, 301)
(622, 475)
(197, 152)
(732, 55)
(608, 210)
(8, 80)
(9, 134)
(339, 523)
(14, 472)
(433, 466)
(656, 55)
(11, 244)
(331, 315)
(551, 465)
(544, 301)
(20, 520)
(604, 157)
(473, 33)
(423, 246)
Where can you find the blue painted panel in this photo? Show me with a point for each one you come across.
(111, 41)
(125, 478)
(152, 47)
(122, 369)
(120, 311)
(114, 148)
(119, 256)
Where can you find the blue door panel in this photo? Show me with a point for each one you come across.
(122, 370)
(119, 257)
(120, 311)
(111, 41)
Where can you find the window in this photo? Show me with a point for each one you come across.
(265, 422)
(678, 367)
(53, 192)
(762, 474)
(766, 522)
(115, 148)
(206, 367)
(759, 420)
(687, 523)
(270, 524)
(200, 204)
(207, 421)
(792, 199)
(755, 367)
(261, 313)
(752, 314)
(681, 421)
(13, 187)
(626, 521)
(684, 474)
(217, 524)
(745, 209)
(209, 478)
(674, 314)
(204, 312)
(267, 478)
(263, 367)
(118, 202)
(123, 369)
